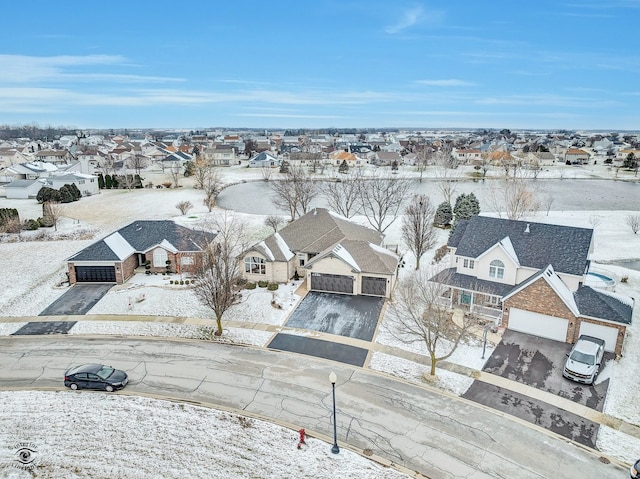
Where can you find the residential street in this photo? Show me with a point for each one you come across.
(439, 435)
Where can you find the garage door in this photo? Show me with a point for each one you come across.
(610, 335)
(334, 283)
(537, 324)
(374, 286)
(95, 274)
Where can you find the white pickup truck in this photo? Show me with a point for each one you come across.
(584, 359)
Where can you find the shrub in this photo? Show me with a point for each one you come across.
(272, 286)
(45, 222)
(31, 224)
(147, 272)
(181, 283)
(186, 281)
(167, 184)
(250, 285)
(440, 253)
(170, 281)
(263, 284)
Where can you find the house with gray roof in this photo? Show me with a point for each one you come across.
(531, 278)
(157, 246)
(330, 252)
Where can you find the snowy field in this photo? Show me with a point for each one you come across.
(142, 438)
(32, 280)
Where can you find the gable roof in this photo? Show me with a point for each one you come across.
(535, 244)
(603, 304)
(361, 256)
(320, 229)
(141, 236)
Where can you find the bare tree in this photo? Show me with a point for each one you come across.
(515, 198)
(633, 221)
(274, 221)
(418, 231)
(218, 275)
(381, 197)
(418, 314)
(212, 186)
(184, 206)
(137, 162)
(52, 211)
(127, 181)
(595, 220)
(266, 172)
(343, 196)
(200, 170)
(106, 165)
(295, 191)
(547, 202)
(175, 172)
(447, 172)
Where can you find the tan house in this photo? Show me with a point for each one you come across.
(531, 278)
(576, 156)
(330, 252)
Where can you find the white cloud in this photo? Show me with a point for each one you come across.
(412, 17)
(449, 82)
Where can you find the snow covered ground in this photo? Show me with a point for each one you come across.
(95, 435)
(31, 281)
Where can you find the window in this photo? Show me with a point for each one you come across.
(301, 258)
(468, 263)
(496, 269)
(186, 260)
(255, 265)
(159, 258)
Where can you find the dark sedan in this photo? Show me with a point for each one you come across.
(634, 472)
(95, 376)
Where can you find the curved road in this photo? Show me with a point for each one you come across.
(438, 435)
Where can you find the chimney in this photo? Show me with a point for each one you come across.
(526, 230)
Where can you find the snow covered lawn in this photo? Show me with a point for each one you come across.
(97, 435)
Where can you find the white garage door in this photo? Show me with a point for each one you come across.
(610, 335)
(537, 324)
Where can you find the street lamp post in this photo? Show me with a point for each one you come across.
(332, 379)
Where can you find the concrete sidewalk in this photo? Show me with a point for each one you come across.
(499, 381)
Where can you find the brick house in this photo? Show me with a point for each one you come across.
(156, 246)
(531, 278)
(332, 254)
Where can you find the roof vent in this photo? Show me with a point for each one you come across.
(526, 230)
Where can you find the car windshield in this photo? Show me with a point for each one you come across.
(583, 358)
(105, 372)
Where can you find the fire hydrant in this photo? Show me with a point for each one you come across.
(301, 441)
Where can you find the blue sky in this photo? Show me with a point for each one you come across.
(322, 63)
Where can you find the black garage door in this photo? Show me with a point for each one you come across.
(334, 283)
(374, 286)
(95, 274)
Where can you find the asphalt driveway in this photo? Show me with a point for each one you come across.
(79, 299)
(344, 315)
(538, 362)
(341, 314)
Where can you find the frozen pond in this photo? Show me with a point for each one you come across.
(567, 194)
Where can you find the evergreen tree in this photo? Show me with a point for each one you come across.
(444, 214)
(284, 167)
(66, 196)
(101, 181)
(75, 191)
(475, 204)
(344, 167)
(108, 183)
(138, 182)
(48, 194)
(114, 181)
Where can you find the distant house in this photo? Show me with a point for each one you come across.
(386, 158)
(532, 277)
(23, 189)
(264, 160)
(57, 157)
(11, 156)
(576, 156)
(162, 245)
(87, 184)
(221, 155)
(330, 252)
(337, 157)
(466, 156)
